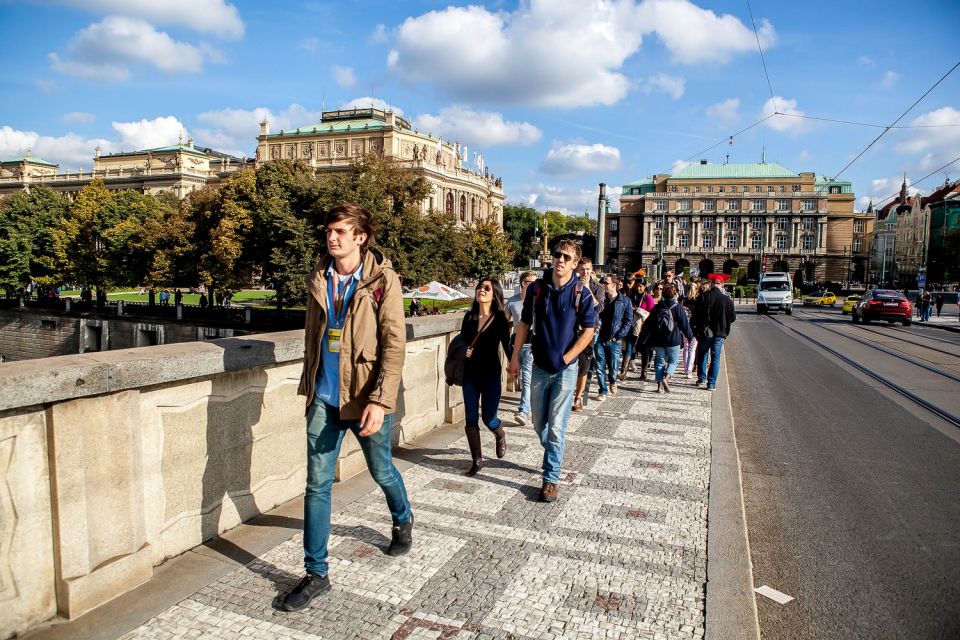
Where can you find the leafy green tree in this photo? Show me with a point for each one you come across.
(581, 223)
(27, 224)
(556, 223)
(81, 239)
(491, 252)
(521, 224)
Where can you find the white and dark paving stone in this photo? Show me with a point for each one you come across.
(621, 554)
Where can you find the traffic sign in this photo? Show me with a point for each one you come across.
(922, 279)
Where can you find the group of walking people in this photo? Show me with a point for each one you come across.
(550, 332)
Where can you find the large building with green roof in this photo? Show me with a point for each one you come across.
(714, 218)
(461, 186)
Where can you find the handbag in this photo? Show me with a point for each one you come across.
(639, 315)
(456, 359)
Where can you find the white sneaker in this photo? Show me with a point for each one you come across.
(520, 419)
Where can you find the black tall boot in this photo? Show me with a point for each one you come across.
(473, 439)
(501, 441)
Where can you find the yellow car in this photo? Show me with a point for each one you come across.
(849, 304)
(820, 299)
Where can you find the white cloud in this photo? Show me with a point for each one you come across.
(679, 165)
(46, 86)
(78, 116)
(938, 140)
(569, 200)
(344, 76)
(366, 102)
(662, 83)
(725, 111)
(380, 35)
(70, 151)
(566, 159)
(805, 156)
(478, 127)
(557, 53)
(104, 51)
(889, 79)
(785, 123)
(695, 35)
(203, 16)
(310, 44)
(147, 134)
(866, 61)
(235, 130)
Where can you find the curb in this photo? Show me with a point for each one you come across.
(731, 606)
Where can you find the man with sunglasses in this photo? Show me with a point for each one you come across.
(561, 314)
(514, 310)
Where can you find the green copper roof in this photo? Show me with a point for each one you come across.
(31, 159)
(365, 124)
(639, 183)
(173, 147)
(734, 170)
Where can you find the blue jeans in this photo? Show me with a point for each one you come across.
(325, 431)
(551, 398)
(666, 362)
(608, 363)
(485, 389)
(926, 313)
(712, 347)
(526, 372)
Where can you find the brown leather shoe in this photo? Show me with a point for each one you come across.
(578, 405)
(501, 441)
(549, 492)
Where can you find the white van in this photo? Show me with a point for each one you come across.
(775, 293)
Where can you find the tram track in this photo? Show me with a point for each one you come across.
(889, 352)
(887, 382)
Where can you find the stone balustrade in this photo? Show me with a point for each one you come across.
(114, 461)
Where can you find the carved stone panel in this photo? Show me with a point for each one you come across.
(306, 150)
(323, 149)
(274, 152)
(340, 148)
(406, 151)
(376, 146)
(356, 148)
(291, 151)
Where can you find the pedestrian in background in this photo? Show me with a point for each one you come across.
(514, 310)
(938, 300)
(563, 317)
(688, 347)
(664, 331)
(645, 349)
(587, 358)
(484, 328)
(924, 306)
(713, 314)
(615, 323)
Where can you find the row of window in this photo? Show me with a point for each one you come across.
(734, 189)
(449, 204)
(733, 241)
(734, 205)
(756, 222)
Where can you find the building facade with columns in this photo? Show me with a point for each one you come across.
(177, 169)
(718, 217)
(341, 136)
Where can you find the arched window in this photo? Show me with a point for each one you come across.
(463, 208)
(449, 208)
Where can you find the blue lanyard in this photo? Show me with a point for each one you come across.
(338, 313)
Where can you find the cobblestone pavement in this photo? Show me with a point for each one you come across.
(621, 554)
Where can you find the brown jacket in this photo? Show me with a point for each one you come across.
(374, 337)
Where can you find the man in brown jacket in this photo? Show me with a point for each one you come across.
(355, 338)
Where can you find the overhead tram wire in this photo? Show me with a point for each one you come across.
(892, 124)
(773, 99)
(865, 124)
(726, 139)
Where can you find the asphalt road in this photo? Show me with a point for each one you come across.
(851, 496)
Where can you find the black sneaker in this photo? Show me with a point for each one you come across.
(402, 538)
(309, 588)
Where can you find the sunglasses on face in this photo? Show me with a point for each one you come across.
(529, 281)
(484, 287)
(608, 283)
(560, 255)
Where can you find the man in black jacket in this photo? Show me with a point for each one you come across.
(713, 313)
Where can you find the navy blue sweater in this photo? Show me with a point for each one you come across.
(557, 321)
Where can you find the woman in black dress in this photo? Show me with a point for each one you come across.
(482, 370)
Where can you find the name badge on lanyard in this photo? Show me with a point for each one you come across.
(337, 300)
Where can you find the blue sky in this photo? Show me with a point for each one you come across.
(559, 95)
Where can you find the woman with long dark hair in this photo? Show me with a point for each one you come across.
(484, 328)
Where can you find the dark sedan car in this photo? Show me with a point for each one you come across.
(883, 304)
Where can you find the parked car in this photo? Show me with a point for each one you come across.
(820, 299)
(849, 304)
(883, 304)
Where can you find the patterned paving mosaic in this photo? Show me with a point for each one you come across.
(621, 554)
